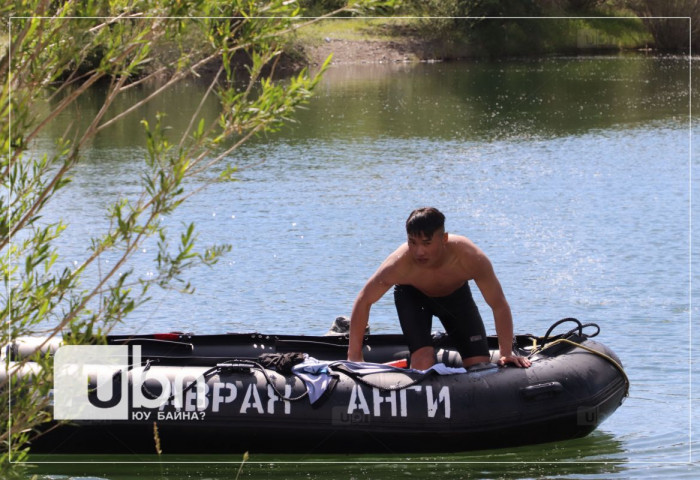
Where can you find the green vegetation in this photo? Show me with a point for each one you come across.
(497, 28)
(513, 27)
(56, 52)
(670, 34)
(359, 29)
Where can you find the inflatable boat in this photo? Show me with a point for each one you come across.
(186, 393)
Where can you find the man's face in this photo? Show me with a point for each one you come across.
(427, 251)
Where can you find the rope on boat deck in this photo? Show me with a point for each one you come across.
(564, 338)
(590, 350)
(238, 364)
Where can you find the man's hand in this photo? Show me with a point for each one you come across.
(514, 360)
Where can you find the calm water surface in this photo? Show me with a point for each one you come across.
(573, 174)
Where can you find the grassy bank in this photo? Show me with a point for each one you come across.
(450, 39)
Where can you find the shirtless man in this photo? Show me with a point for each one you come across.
(429, 274)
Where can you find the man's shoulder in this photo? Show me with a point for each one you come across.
(396, 258)
(462, 243)
(453, 237)
(466, 252)
(394, 266)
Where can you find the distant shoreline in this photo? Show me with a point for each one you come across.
(387, 40)
(408, 51)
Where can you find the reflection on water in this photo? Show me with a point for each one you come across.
(496, 100)
(597, 455)
(458, 101)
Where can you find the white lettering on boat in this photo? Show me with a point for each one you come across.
(239, 398)
(193, 403)
(378, 399)
(387, 403)
(443, 397)
(404, 401)
(180, 415)
(252, 400)
(273, 398)
(219, 397)
(357, 401)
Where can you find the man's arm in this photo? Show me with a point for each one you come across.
(492, 292)
(373, 290)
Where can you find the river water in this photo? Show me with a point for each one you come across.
(575, 175)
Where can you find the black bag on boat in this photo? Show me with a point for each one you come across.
(281, 362)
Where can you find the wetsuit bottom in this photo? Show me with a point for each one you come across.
(457, 312)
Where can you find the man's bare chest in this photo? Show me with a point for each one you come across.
(438, 283)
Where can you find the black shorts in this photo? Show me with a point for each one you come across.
(457, 312)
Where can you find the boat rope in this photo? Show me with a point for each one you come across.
(241, 364)
(580, 326)
(610, 359)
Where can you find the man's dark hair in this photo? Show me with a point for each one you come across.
(425, 221)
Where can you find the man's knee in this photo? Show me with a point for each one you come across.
(423, 358)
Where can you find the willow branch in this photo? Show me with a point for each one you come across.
(176, 78)
(200, 106)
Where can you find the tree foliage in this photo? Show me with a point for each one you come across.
(59, 51)
(670, 22)
(497, 28)
(491, 27)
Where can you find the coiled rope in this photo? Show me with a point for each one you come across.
(560, 339)
(230, 365)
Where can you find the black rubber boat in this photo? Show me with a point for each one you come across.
(185, 393)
